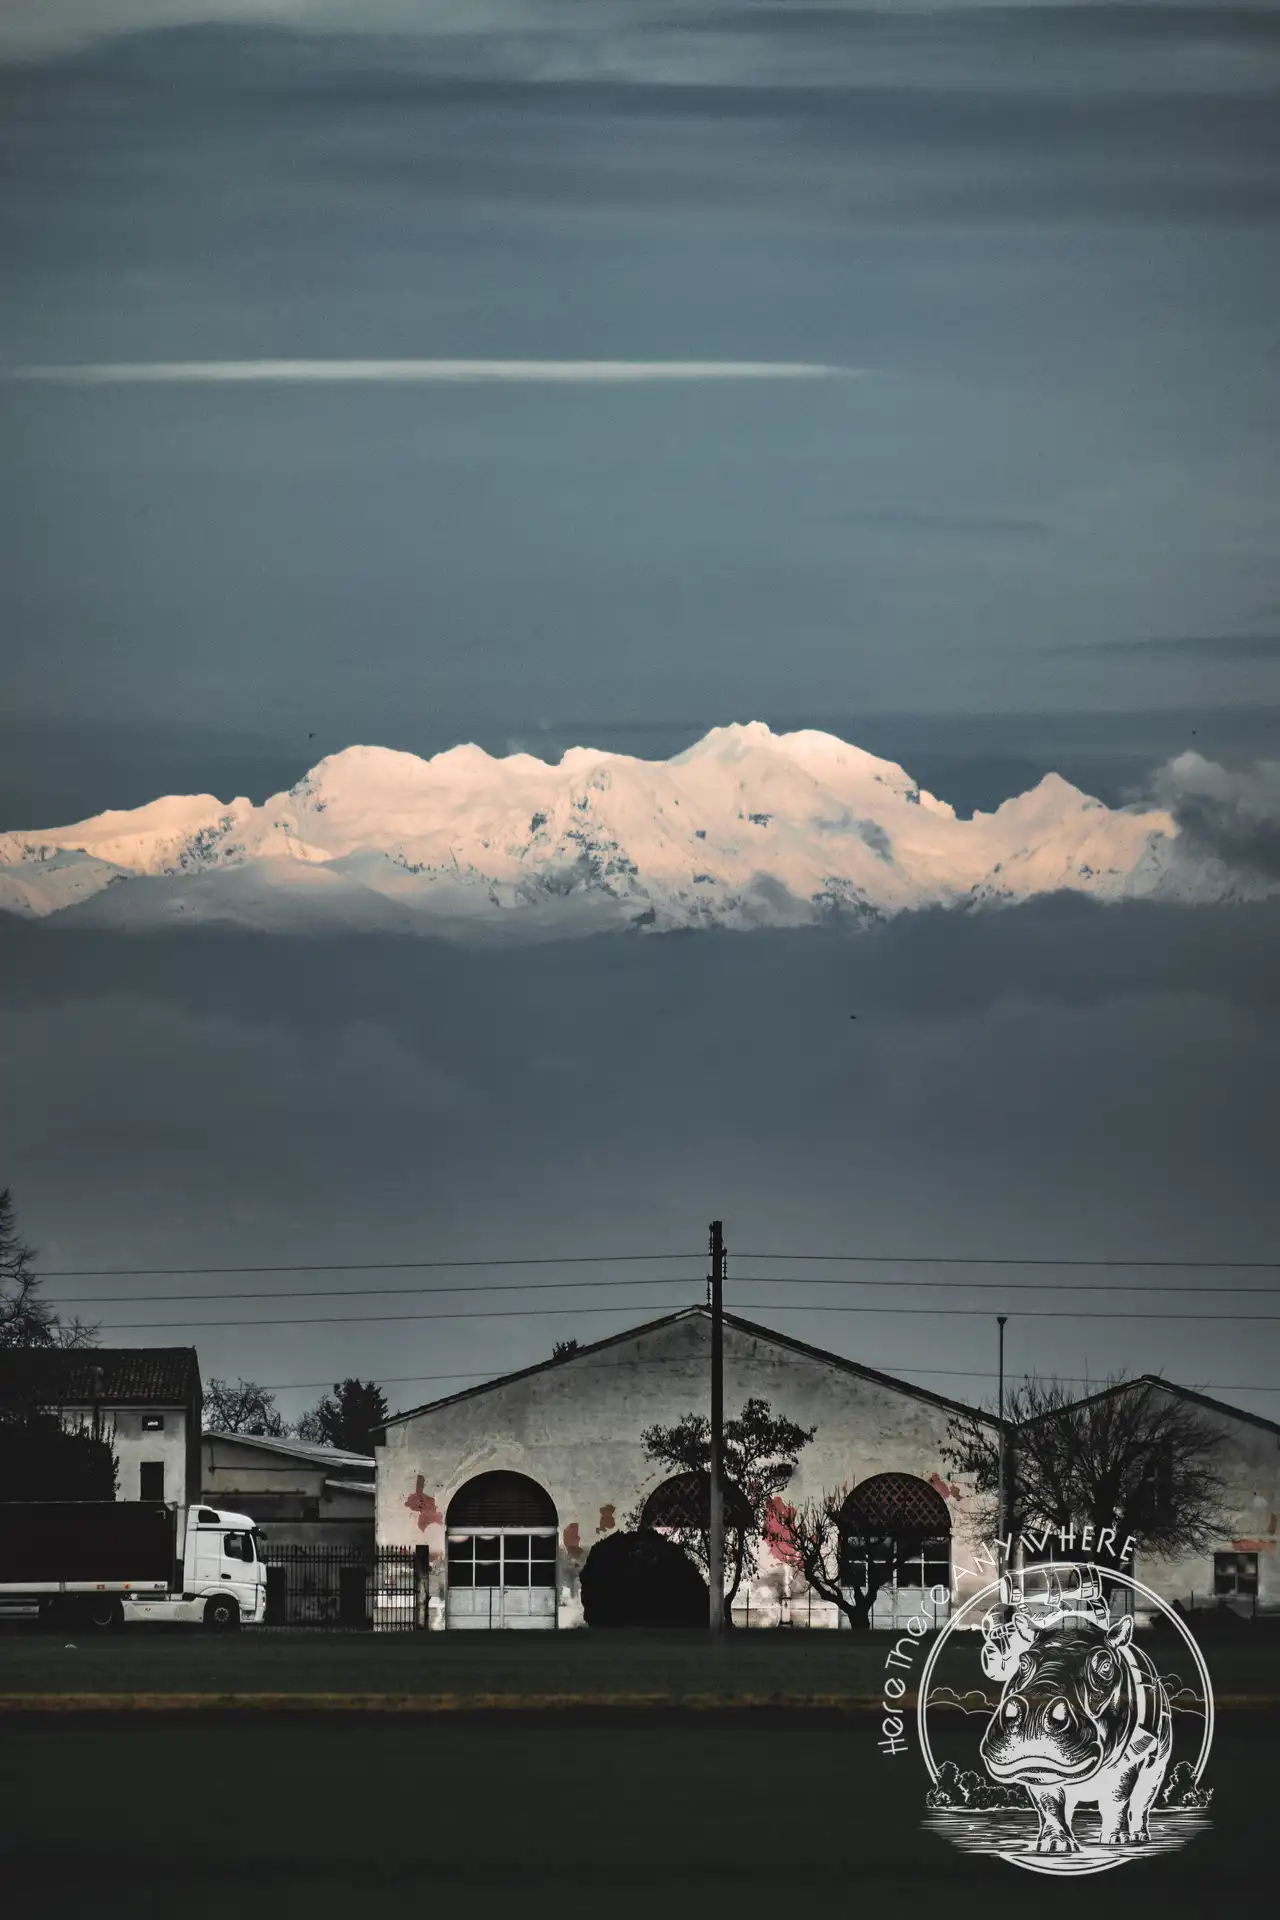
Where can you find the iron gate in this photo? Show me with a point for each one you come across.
(343, 1589)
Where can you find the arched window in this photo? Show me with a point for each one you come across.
(895, 1529)
(500, 1548)
(683, 1504)
(501, 1500)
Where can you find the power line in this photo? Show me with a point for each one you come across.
(1111, 1262)
(1010, 1260)
(764, 1306)
(952, 1373)
(342, 1293)
(362, 1266)
(556, 1286)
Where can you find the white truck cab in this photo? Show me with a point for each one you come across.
(224, 1583)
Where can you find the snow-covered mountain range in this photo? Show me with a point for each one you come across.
(746, 829)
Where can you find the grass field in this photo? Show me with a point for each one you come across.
(756, 1665)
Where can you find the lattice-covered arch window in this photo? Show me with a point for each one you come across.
(897, 1527)
(683, 1504)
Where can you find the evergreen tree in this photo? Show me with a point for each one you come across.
(349, 1418)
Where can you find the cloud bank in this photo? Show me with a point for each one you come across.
(1057, 1079)
(1228, 816)
(422, 372)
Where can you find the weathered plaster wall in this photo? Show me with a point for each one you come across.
(576, 1427)
(1250, 1465)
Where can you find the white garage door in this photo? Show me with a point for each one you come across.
(501, 1579)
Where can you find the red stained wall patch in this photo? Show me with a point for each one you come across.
(572, 1538)
(778, 1534)
(424, 1505)
(606, 1520)
(947, 1488)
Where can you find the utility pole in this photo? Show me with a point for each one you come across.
(715, 1544)
(1000, 1499)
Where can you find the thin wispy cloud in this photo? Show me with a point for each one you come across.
(424, 372)
(1191, 646)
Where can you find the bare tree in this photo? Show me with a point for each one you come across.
(25, 1319)
(1134, 1456)
(243, 1408)
(830, 1543)
(760, 1455)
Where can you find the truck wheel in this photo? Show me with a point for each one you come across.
(222, 1615)
(103, 1614)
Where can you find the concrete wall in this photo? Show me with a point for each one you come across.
(575, 1428)
(1250, 1465)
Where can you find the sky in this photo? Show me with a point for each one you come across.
(1021, 514)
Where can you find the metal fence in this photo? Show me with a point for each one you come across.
(356, 1589)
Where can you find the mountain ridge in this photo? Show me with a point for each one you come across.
(745, 828)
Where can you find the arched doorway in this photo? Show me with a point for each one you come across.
(500, 1547)
(895, 1535)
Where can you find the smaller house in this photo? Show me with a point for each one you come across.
(1239, 1571)
(299, 1494)
(148, 1401)
(314, 1509)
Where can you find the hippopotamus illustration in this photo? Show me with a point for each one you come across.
(1083, 1716)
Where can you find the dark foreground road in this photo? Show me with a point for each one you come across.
(697, 1816)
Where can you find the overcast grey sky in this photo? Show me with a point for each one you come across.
(1049, 232)
(1040, 529)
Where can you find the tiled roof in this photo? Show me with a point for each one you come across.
(115, 1376)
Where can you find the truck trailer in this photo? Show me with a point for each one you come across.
(109, 1563)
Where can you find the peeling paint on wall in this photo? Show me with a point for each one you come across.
(606, 1519)
(572, 1538)
(777, 1534)
(424, 1505)
(947, 1488)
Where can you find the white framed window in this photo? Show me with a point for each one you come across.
(1235, 1575)
(515, 1557)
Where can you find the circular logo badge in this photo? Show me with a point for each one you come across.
(1052, 1737)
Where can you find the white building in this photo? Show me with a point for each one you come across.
(148, 1402)
(505, 1488)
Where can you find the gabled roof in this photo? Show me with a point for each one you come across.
(750, 1327)
(113, 1376)
(1166, 1386)
(314, 1456)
